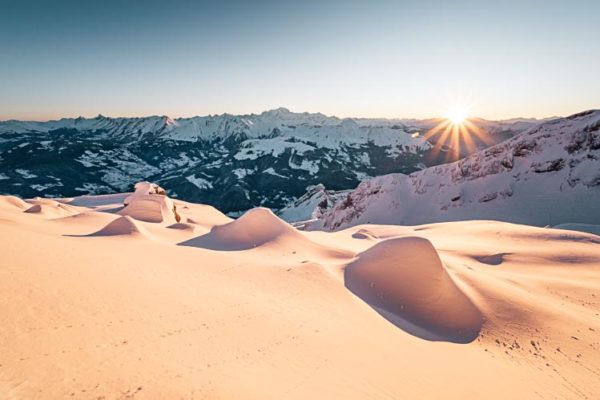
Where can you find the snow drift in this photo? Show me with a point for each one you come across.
(122, 226)
(253, 229)
(14, 202)
(138, 309)
(48, 208)
(404, 279)
(149, 203)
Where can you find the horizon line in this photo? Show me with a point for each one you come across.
(56, 119)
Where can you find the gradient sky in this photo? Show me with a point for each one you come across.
(346, 58)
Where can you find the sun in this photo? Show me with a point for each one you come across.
(457, 114)
(456, 135)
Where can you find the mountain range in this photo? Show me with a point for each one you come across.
(232, 162)
(547, 175)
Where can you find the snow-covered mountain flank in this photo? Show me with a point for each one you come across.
(233, 162)
(547, 175)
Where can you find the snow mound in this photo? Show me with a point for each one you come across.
(405, 281)
(260, 227)
(13, 202)
(150, 203)
(144, 189)
(255, 228)
(200, 214)
(151, 208)
(122, 226)
(49, 209)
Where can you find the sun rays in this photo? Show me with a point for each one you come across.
(456, 135)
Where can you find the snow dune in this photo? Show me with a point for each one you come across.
(122, 226)
(252, 308)
(255, 228)
(258, 228)
(149, 203)
(50, 209)
(152, 208)
(13, 202)
(405, 280)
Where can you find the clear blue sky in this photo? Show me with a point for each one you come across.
(345, 58)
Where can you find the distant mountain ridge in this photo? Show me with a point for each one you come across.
(233, 162)
(546, 175)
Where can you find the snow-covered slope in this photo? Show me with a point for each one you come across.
(549, 174)
(587, 228)
(104, 305)
(234, 162)
(312, 204)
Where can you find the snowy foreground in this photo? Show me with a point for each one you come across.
(161, 298)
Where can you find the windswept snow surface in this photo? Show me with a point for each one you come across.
(101, 305)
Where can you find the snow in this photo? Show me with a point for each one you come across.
(92, 188)
(586, 172)
(41, 188)
(150, 203)
(311, 205)
(123, 226)
(254, 228)
(241, 173)
(199, 182)
(299, 131)
(309, 165)
(404, 279)
(90, 159)
(271, 171)
(126, 169)
(183, 160)
(588, 228)
(534, 178)
(253, 149)
(373, 311)
(25, 173)
(361, 176)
